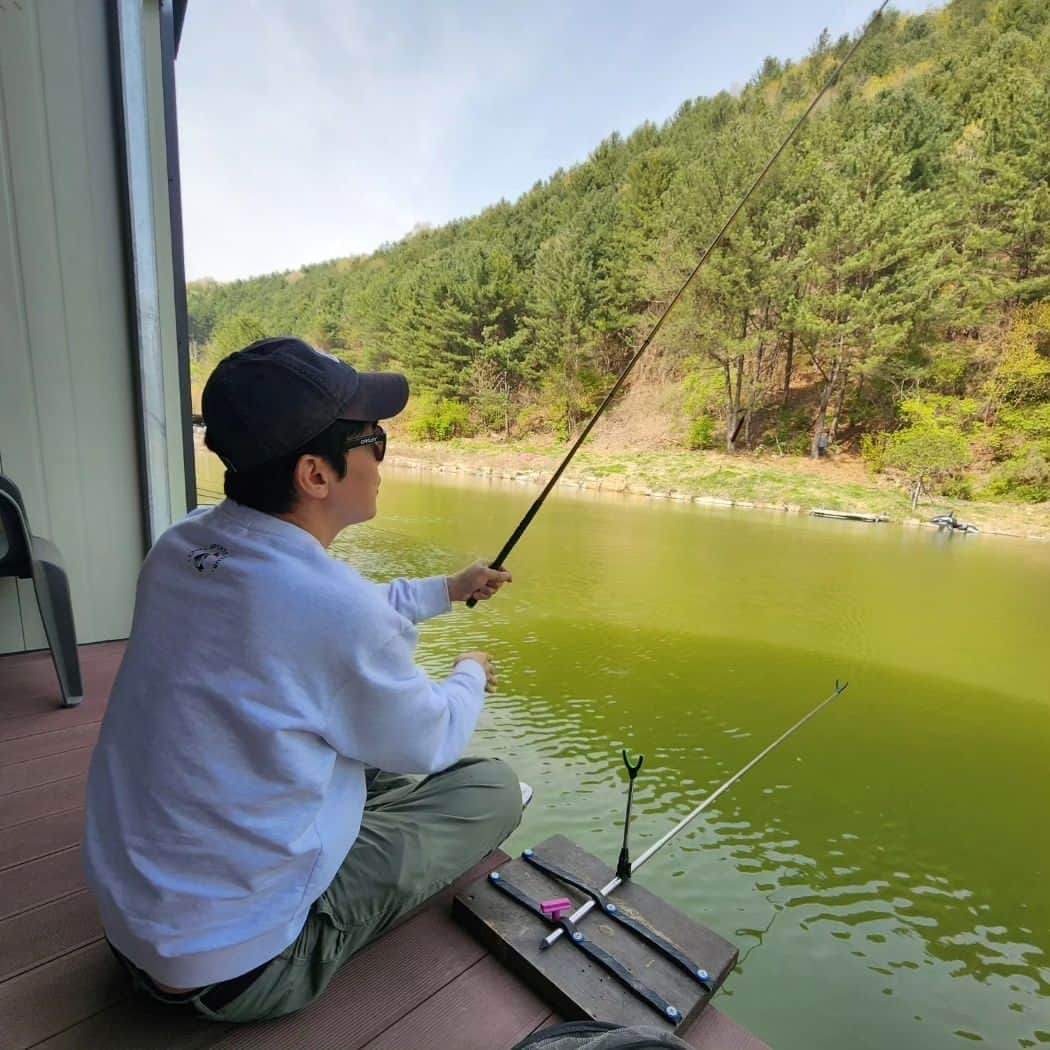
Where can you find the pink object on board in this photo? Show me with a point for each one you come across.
(555, 908)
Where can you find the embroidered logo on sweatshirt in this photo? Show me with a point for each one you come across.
(207, 559)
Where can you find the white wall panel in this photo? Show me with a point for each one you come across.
(67, 395)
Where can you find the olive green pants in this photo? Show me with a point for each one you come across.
(416, 837)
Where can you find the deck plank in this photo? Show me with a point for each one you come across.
(38, 935)
(354, 1008)
(548, 1022)
(35, 772)
(38, 838)
(49, 999)
(460, 1015)
(713, 1030)
(417, 960)
(41, 880)
(56, 742)
(12, 729)
(30, 702)
(71, 1000)
(136, 1024)
(22, 806)
(418, 957)
(31, 685)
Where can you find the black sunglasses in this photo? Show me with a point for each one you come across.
(377, 439)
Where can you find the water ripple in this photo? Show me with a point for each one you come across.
(853, 867)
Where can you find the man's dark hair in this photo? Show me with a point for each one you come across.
(270, 488)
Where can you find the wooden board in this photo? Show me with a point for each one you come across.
(567, 979)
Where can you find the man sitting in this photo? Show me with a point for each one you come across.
(249, 826)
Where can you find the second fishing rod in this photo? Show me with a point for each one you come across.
(500, 559)
(625, 867)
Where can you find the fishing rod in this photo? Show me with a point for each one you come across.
(534, 509)
(584, 908)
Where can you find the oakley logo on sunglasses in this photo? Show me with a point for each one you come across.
(377, 441)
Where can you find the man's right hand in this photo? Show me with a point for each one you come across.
(486, 663)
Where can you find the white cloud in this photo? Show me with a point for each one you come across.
(314, 145)
(319, 128)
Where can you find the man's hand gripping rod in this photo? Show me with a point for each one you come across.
(617, 881)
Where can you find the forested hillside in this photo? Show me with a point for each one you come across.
(888, 291)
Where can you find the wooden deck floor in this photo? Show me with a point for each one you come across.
(424, 984)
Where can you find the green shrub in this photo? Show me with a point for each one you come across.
(441, 421)
(531, 419)
(957, 488)
(494, 412)
(949, 365)
(791, 433)
(1022, 375)
(703, 390)
(927, 453)
(570, 397)
(1027, 477)
(702, 433)
(1032, 420)
(873, 449)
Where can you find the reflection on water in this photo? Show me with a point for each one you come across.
(884, 871)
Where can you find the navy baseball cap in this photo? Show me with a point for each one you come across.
(270, 398)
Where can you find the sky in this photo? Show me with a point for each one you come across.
(315, 129)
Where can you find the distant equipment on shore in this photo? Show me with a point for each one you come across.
(950, 522)
(846, 515)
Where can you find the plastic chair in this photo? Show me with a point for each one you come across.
(26, 556)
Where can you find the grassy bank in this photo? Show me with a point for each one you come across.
(770, 482)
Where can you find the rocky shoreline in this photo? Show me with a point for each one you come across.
(619, 485)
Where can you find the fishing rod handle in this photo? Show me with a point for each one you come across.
(497, 564)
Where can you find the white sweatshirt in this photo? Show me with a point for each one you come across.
(260, 678)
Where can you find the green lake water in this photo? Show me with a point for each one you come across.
(885, 872)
